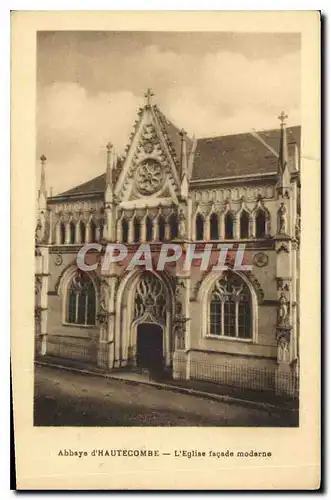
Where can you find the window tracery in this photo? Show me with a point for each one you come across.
(150, 298)
(81, 300)
(230, 309)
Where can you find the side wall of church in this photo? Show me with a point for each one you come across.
(64, 339)
(259, 352)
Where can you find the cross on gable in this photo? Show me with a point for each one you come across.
(149, 94)
(282, 117)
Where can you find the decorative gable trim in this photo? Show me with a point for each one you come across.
(148, 143)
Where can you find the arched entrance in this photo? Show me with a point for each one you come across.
(150, 347)
(145, 302)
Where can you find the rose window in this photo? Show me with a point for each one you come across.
(149, 177)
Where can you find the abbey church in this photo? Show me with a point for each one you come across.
(235, 327)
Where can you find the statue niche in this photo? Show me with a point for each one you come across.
(282, 219)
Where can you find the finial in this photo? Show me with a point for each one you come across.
(43, 159)
(149, 94)
(183, 133)
(282, 117)
(109, 146)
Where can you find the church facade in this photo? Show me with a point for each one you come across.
(199, 323)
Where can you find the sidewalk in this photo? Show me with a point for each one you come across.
(207, 390)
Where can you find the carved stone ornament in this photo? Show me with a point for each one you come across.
(149, 177)
(297, 227)
(104, 296)
(37, 319)
(283, 334)
(148, 147)
(38, 283)
(179, 334)
(260, 259)
(180, 286)
(283, 311)
(182, 224)
(283, 248)
(58, 260)
(102, 319)
(150, 298)
(283, 354)
(282, 219)
(283, 284)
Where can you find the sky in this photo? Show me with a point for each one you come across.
(91, 84)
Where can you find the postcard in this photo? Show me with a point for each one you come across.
(166, 250)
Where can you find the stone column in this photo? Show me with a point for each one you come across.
(167, 231)
(50, 235)
(142, 236)
(285, 376)
(110, 220)
(131, 230)
(87, 233)
(155, 229)
(252, 227)
(221, 226)
(41, 297)
(67, 238)
(119, 235)
(77, 233)
(106, 351)
(206, 228)
(58, 233)
(236, 227)
(181, 328)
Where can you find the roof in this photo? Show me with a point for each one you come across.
(172, 133)
(95, 185)
(98, 184)
(214, 157)
(239, 154)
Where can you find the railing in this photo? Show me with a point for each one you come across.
(240, 377)
(62, 347)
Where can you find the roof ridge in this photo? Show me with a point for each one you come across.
(260, 131)
(79, 186)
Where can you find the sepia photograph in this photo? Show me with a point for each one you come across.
(167, 252)
(165, 293)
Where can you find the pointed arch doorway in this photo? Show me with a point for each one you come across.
(143, 333)
(150, 347)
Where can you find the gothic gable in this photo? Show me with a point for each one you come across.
(149, 169)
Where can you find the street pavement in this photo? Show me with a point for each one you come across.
(65, 398)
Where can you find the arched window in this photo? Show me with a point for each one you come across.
(199, 227)
(244, 224)
(161, 223)
(72, 229)
(214, 227)
(136, 230)
(125, 230)
(93, 231)
(260, 224)
(81, 301)
(82, 231)
(173, 226)
(230, 309)
(149, 228)
(62, 233)
(228, 226)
